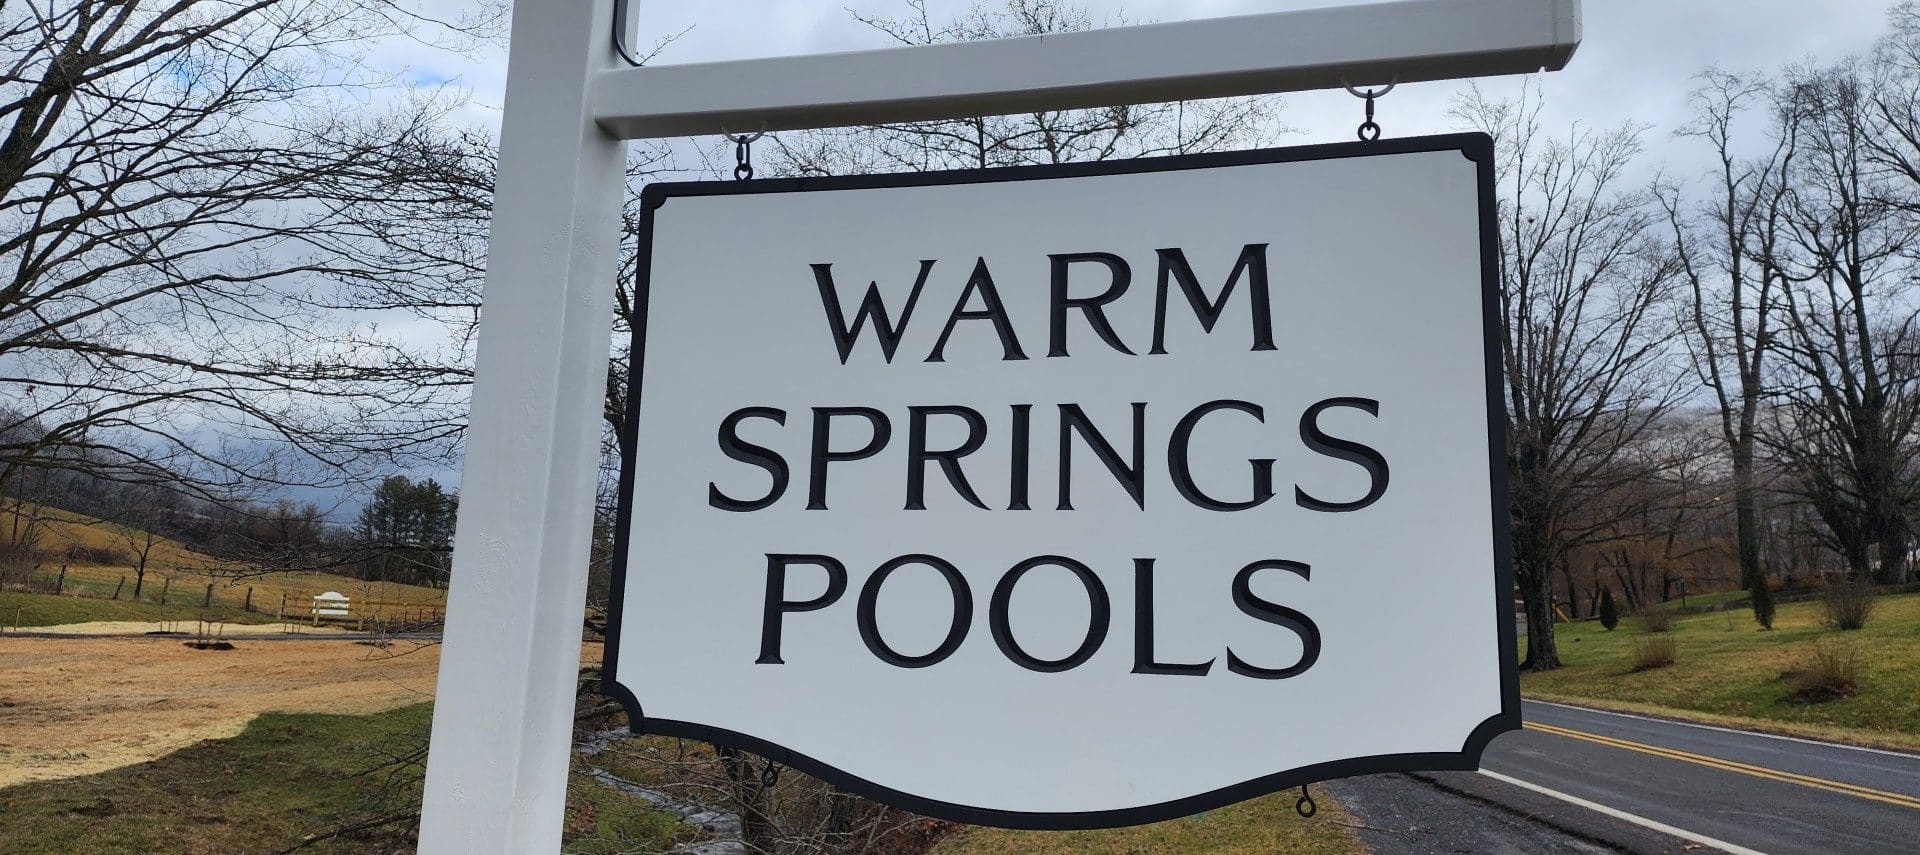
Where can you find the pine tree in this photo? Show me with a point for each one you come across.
(1609, 610)
(1762, 600)
(406, 531)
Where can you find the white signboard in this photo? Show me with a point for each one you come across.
(1076, 496)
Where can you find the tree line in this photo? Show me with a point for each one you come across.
(208, 207)
(1712, 379)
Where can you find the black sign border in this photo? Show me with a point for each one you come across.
(1475, 147)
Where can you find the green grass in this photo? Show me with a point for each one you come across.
(1702, 601)
(1728, 669)
(604, 821)
(1260, 826)
(31, 610)
(283, 779)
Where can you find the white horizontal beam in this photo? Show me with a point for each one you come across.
(1209, 58)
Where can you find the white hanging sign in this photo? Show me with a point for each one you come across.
(1074, 496)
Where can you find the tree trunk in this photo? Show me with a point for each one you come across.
(1573, 593)
(1533, 569)
(842, 810)
(1542, 652)
(1746, 503)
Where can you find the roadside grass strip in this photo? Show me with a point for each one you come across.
(1734, 766)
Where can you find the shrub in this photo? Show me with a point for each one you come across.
(1848, 603)
(1829, 672)
(1763, 601)
(1651, 653)
(1654, 618)
(101, 555)
(1609, 610)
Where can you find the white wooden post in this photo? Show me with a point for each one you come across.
(497, 775)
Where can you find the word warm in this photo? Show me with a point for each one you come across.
(1112, 272)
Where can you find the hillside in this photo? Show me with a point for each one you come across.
(99, 558)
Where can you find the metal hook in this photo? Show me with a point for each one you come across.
(742, 139)
(1305, 806)
(743, 153)
(1370, 129)
(1369, 93)
(620, 33)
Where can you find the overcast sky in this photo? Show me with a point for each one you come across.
(1636, 63)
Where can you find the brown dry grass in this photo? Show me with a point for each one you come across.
(61, 530)
(77, 707)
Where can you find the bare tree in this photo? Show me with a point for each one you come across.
(1851, 383)
(1727, 247)
(146, 511)
(1029, 138)
(1583, 281)
(175, 179)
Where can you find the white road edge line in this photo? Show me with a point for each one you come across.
(1906, 755)
(1624, 816)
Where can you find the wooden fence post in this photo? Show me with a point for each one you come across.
(249, 604)
(281, 615)
(117, 587)
(60, 584)
(208, 601)
(166, 584)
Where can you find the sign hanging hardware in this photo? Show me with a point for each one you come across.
(743, 154)
(1305, 806)
(1370, 129)
(620, 18)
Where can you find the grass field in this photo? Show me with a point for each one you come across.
(31, 610)
(174, 573)
(1704, 601)
(1260, 826)
(230, 586)
(284, 777)
(1727, 669)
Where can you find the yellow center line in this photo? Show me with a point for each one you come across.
(1734, 766)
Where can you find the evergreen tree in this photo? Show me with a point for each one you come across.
(1609, 610)
(406, 531)
(1762, 600)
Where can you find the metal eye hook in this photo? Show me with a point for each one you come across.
(1369, 93)
(743, 152)
(742, 139)
(1370, 129)
(1305, 806)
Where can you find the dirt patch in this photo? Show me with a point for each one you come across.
(71, 707)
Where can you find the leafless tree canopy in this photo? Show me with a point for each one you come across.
(179, 184)
(1028, 138)
(1584, 285)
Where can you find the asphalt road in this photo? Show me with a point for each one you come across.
(1578, 780)
(1751, 790)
